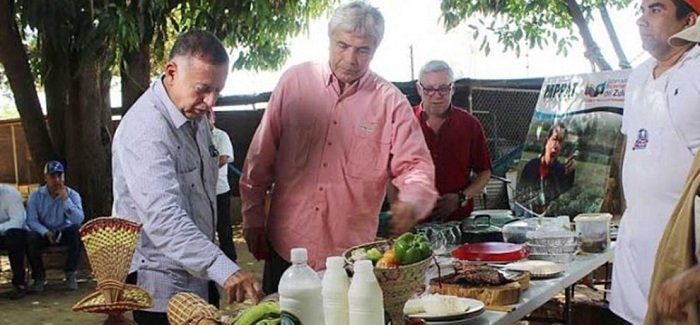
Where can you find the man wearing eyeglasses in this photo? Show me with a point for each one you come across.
(456, 141)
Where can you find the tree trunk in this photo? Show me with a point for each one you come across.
(16, 63)
(592, 50)
(624, 64)
(135, 67)
(57, 83)
(88, 140)
(135, 71)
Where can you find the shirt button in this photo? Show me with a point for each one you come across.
(320, 188)
(335, 122)
(330, 143)
(316, 209)
(325, 165)
(192, 185)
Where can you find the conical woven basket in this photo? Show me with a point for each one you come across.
(397, 283)
(110, 243)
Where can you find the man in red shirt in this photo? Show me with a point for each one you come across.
(456, 141)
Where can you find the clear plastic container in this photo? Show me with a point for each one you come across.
(594, 231)
(300, 292)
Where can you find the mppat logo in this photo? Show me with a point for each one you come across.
(593, 90)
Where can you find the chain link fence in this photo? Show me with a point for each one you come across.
(505, 115)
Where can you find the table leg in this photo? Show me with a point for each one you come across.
(568, 295)
(606, 284)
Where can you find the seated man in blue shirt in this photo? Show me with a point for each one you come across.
(13, 236)
(54, 215)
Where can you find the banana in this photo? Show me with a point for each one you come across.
(262, 311)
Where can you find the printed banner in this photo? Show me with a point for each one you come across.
(570, 144)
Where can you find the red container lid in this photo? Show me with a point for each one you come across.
(490, 252)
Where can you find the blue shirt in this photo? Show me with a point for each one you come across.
(164, 176)
(47, 213)
(12, 213)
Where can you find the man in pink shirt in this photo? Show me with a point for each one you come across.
(333, 136)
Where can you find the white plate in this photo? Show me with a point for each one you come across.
(472, 308)
(537, 269)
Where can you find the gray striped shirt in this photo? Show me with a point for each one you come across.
(166, 180)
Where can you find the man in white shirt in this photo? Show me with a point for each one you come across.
(662, 123)
(224, 149)
(13, 236)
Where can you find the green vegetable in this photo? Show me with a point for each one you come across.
(400, 248)
(425, 251)
(374, 254)
(269, 321)
(413, 255)
(252, 315)
(406, 237)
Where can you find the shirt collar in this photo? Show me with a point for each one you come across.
(331, 81)
(176, 116)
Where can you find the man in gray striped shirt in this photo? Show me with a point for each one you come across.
(165, 171)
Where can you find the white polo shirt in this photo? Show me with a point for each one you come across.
(661, 120)
(223, 145)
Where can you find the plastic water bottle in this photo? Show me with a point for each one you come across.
(300, 292)
(365, 301)
(335, 292)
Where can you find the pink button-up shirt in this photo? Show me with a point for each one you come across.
(330, 158)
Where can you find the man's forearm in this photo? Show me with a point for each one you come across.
(482, 178)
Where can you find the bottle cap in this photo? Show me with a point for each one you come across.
(363, 266)
(335, 262)
(299, 255)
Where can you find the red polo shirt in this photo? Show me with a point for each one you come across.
(458, 148)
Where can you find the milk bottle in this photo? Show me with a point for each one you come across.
(335, 292)
(300, 292)
(365, 302)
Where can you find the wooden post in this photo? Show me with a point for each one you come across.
(14, 152)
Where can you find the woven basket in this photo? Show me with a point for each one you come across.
(186, 308)
(398, 283)
(110, 243)
(133, 298)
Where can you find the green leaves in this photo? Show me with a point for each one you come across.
(513, 23)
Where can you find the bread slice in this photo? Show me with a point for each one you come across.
(506, 294)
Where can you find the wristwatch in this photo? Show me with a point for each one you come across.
(463, 199)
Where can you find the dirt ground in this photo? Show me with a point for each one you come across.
(53, 306)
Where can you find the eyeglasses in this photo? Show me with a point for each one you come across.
(444, 90)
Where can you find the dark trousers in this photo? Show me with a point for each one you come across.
(275, 266)
(223, 225)
(70, 237)
(225, 233)
(15, 242)
(146, 317)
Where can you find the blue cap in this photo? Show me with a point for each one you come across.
(53, 167)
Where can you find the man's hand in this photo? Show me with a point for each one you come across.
(257, 242)
(676, 293)
(50, 237)
(445, 205)
(402, 218)
(242, 284)
(62, 192)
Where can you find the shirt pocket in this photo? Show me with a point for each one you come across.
(188, 184)
(368, 158)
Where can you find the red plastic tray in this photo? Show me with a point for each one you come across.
(490, 252)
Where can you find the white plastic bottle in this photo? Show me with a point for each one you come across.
(335, 292)
(300, 292)
(365, 302)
